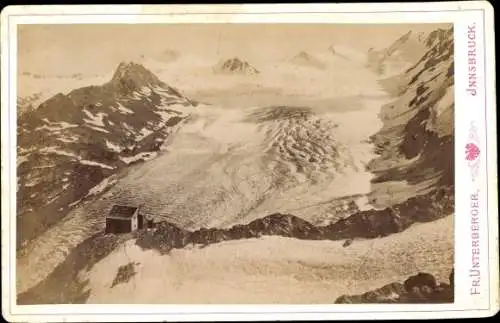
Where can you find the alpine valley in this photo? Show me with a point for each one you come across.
(324, 177)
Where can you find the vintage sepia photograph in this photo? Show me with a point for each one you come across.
(235, 163)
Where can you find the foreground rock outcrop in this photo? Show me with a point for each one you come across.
(420, 288)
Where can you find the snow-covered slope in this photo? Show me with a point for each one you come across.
(259, 270)
(70, 143)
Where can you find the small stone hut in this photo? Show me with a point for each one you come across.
(124, 219)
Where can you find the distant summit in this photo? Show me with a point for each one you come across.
(236, 66)
(305, 59)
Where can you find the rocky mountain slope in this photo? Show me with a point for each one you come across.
(416, 141)
(71, 143)
(29, 102)
(405, 50)
(235, 66)
(416, 144)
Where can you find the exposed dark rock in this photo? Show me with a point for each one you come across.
(124, 274)
(421, 288)
(347, 243)
(419, 281)
(361, 224)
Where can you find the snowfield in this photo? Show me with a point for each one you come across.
(272, 269)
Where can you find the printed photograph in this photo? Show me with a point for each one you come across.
(235, 163)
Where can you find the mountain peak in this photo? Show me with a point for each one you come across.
(130, 76)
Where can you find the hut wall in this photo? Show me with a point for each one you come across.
(118, 226)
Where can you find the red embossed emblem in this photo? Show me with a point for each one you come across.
(471, 151)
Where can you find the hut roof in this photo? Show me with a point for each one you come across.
(122, 211)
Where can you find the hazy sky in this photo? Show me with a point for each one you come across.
(85, 48)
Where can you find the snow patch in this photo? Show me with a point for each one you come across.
(49, 128)
(107, 182)
(52, 199)
(98, 129)
(136, 95)
(74, 203)
(97, 120)
(145, 90)
(57, 151)
(71, 139)
(54, 150)
(143, 156)
(65, 125)
(124, 110)
(21, 159)
(113, 147)
(165, 116)
(93, 163)
(143, 134)
(32, 183)
(128, 127)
